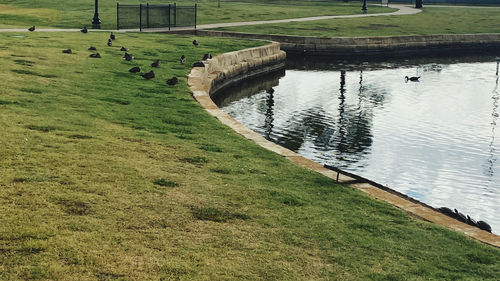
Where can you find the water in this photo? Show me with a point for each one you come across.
(434, 140)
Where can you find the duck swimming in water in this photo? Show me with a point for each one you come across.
(413, 78)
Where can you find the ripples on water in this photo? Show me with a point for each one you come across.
(433, 140)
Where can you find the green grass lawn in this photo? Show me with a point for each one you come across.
(107, 176)
(433, 20)
(76, 13)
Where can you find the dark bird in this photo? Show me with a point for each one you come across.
(148, 75)
(172, 81)
(134, 69)
(32, 28)
(109, 42)
(459, 216)
(207, 56)
(413, 78)
(84, 30)
(195, 43)
(156, 63)
(128, 57)
(471, 221)
(123, 49)
(484, 226)
(198, 64)
(270, 91)
(447, 211)
(95, 56)
(112, 36)
(67, 51)
(183, 59)
(92, 48)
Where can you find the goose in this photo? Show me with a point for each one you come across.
(172, 81)
(128, 57)
(484, 226)
(67, 51)
(123, 49)
(84, 30)
(134, 69)
(112, 36)
(198, 64)
(96, 56)
(156, 63)
(195, 43)
(413, 78)
(148, 75)
(109, 42)
(92, 48)
(207, 56)
(183, 59)
(32, 28)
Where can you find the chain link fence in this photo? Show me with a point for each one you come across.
(142, 16)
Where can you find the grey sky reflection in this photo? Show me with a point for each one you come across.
(433, 140)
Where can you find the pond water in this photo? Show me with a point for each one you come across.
(433, 140)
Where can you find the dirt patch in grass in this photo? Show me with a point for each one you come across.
(29, 72)
(25, 62)
(44, 129)
(216, 215)
(74, 207)
(165, 182)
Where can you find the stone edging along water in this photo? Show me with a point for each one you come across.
(229, 68)
(380, 46)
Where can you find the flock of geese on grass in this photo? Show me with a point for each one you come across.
(129, 57)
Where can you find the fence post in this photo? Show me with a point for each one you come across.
(117, 16)
(195, 9)
(169, 13)
(175, 14)
(147, 15)
(140, 17)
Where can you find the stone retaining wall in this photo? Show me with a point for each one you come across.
(376, 46)
(222, 70)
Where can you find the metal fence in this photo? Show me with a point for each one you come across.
(154, 16)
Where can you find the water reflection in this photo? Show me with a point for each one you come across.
(433, 140)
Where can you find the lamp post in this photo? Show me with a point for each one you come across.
(96, 22)
(364, 9)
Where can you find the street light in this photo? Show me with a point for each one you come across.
(96, 22)
(364, 9)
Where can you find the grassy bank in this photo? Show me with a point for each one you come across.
(76, 13)
(433, 20)
(105, 175)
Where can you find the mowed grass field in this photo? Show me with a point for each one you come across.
(107, 176)
(77, 13)
(432, 20)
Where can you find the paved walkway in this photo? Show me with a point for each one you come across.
(402, 10)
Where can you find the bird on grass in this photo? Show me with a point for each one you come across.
(67, 51)
(413, 78)
(32, 28)
(207, 56)
(95, 56)
(123, 49)
(156, 63)
(109, 42)
(148, 75)
(183, 59)
(172, 81)
(128, 57)
(112, 36)
(195, 43)
(84, 30)
(134, 69)
(92, 48)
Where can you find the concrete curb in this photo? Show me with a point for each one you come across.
(217, 74)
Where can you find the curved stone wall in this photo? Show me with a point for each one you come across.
(227, 68)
